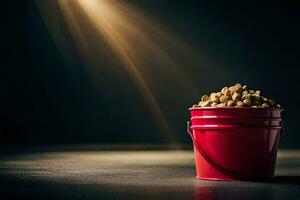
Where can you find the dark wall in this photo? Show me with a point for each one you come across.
(47, 100)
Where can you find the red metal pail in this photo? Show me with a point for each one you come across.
(235, 143)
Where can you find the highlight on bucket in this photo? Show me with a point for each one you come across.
(235, 134)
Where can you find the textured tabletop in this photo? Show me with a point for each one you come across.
(114, 173)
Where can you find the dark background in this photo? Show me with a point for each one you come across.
(44, 102)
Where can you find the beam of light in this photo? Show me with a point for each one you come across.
(144, 47)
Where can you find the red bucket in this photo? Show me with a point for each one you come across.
(235, 143)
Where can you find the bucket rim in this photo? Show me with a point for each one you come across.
(236, 118)
(220, 127)
(235, 108)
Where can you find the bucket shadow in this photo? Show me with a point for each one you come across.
(295, 180)
(282, 179)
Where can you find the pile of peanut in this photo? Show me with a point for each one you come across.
(236, 96)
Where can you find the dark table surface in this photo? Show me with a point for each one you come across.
(105, 172)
